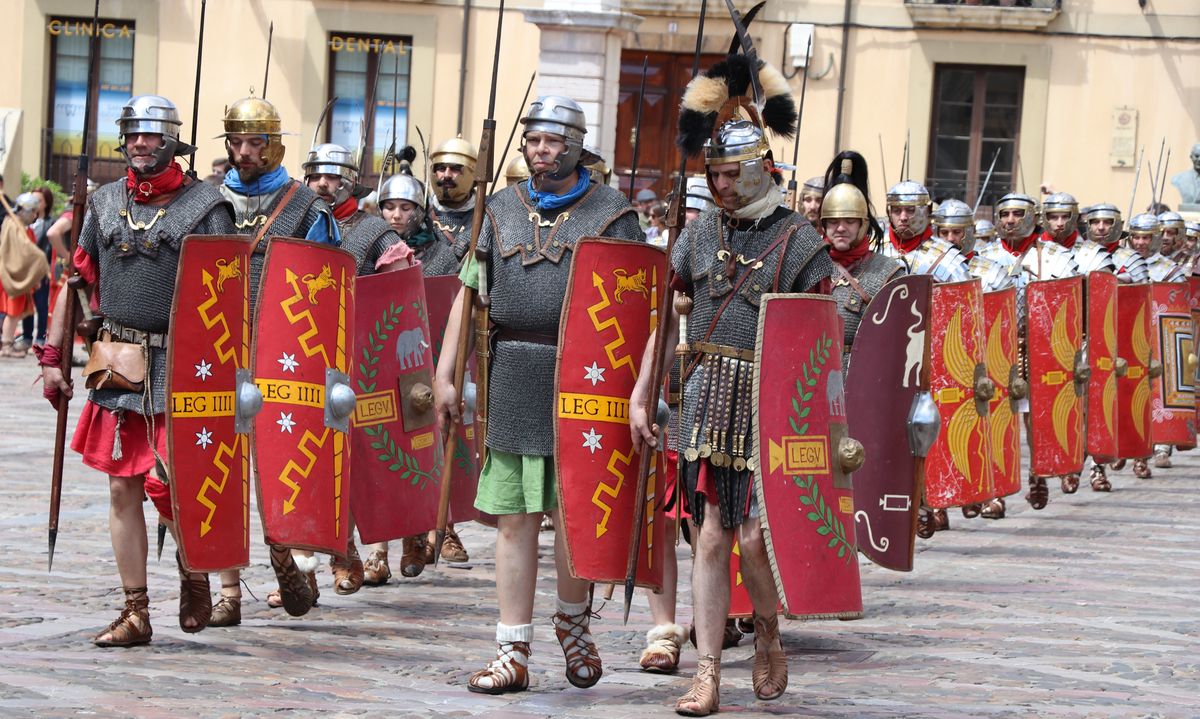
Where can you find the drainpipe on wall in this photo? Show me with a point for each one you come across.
(462, 65)
(837, 132)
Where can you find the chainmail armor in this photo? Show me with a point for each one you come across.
(872, 273)
(453, 228)
(438, 257)
(366, 237)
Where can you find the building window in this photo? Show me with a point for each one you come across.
(71, 86)
(976, 113)
(358, 66)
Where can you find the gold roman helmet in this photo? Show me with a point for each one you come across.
(517, 170)
(255, 116)
(845, 201)
(599, 169)
(455, 151)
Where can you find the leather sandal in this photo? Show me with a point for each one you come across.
(195, 599)
(1117, 466)
(1039, 494)
(348, 572)
(704, 697)
(925, 523)
(731, 637)
(227, 612)
(971, 511)
(1070, 483)
(375, 570)
(769, 675)
(1141, 469)
(663, 644)
(1099, 479)
(583, 659)
(993, 509)
(941, 520)
(412, 557)
(132, 627)
(297, 592)
(508, 672)
(453, 549)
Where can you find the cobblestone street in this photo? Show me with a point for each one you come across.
(1084, 609)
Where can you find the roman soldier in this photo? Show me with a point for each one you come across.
(516, 171)
(811, 194)
(1191, 243)
(524, 257)
(723, 263)
(1104, 226)
(452, 196)
(908, 207)
(128, 252)
(985, 234)
(1174, 235)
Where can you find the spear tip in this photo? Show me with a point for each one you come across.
(53, 540)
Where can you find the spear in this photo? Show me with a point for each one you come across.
(792, 193)
(513, 132)
(986, 181)
(904, 159)
(67, 346)
(883, 164)
(1136, 176)
(637, 130)
(483, 175)
(267, 69)
(196, 93)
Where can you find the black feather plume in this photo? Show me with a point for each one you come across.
(858, 177)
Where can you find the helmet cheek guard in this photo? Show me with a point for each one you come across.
(152, 115)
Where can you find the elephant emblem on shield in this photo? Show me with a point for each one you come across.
(410, 348)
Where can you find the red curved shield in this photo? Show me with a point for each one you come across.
(209, 461)
(1194, 286)
(1102, 356)
(1173, 419)
(1133, 390)
(440, 292)
(879, 396)
(1054, 338)
(958, 469)
(608, 314)
(396, 448)
(805, 498)
(305, 327)
(1000, 355)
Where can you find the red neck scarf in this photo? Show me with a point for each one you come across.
(907, 246)
(1021, 248)
(852, 256)
(1068, 243)
(347, 208)
(1112, 246)
(146, 189)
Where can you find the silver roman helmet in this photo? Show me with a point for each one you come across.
(153, 115)
(985, 231)
(697, 196)
(564, 117)
(405, 188)
(332, 159)
(813, 187)
(911, 194)
(1016, 201)
(1103, 211)
(743, 142)
(1062, 202)
(957, 215)
(1145, 224)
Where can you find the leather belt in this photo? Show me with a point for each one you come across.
(121, 333)
(711, 348)
(506, 334)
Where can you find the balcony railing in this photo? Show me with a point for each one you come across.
(986, 14)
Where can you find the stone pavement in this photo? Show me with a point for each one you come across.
(1084, 609)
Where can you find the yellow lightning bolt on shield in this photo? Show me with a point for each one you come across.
(306, 316)
(224, 353)
(309, 439)
(223, 450)
(609, 489)
(611, 348)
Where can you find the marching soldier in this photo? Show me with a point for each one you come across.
(1104, 226)
(524, 260)
(724, 262)
(985, 234)
(128, 251)
(1174, 236)
(811, 195)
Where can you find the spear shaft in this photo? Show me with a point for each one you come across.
(637, 130)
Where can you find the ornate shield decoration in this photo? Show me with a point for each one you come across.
(958, 469)
(396, 448)
(805, 456)
(1101, 290)
(1133, 389)
(1173, 417)
(1057, 375)
(302, 347)
(607, 317)
(880, 393)
(209, 346)
(1000, 355)
(440, 292)
(1194, 286)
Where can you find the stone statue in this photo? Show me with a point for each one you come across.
(1188, 183)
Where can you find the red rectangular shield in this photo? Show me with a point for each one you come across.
(1133, 389)
(1000, 353)
(1054, 337)
(305, 327)
(209, 461)
(396, 448)
(805, 495)
(608, 314)
(1194, 286)
(958, 469)
(1102, 359)
(1172, 406)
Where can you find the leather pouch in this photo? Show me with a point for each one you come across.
(115, 365)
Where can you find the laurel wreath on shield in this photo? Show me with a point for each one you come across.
(819, 512)
(390, 453)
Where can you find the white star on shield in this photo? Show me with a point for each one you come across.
(285, 422)
(289, 362)
(203, 370)
(203, 438)
(593, 374)
(591, 440)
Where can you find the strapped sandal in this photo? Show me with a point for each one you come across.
(453, 549)
(993, 509)
(1141, 469)
(375, 570)
(583, 659)
(508, 672)
(731, 637)
(1099, 480)
(132, 627)
(195, 599)
(704, 697)
(412, 557)
(1117, 466)
(227, 612)
(1162, 460)
(297, 592)
(663, 644)
(1070, 483)
(941, 520)
(971, 511)
(1039, 492)
(770, 673)
(348, 572)
(925, 523)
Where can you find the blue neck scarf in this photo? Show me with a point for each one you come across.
(266, 183)
(548, 201)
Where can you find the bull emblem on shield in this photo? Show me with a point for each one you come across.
(316, 283)
(630, 283)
